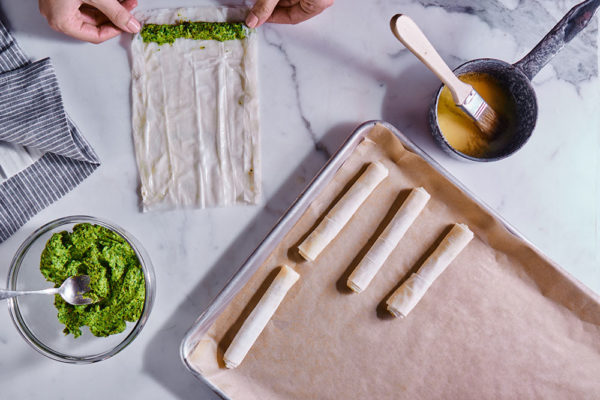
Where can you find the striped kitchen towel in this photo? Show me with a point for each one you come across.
(42, 154)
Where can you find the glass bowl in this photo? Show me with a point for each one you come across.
(35, 315)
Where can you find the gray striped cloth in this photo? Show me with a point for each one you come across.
(33, 120)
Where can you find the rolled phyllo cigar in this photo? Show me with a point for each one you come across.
(259, 317)
(384, 245)
(342, 211)
(406, 297)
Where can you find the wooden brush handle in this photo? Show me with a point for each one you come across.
(414, 39)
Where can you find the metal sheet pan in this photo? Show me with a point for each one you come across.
(288, 220)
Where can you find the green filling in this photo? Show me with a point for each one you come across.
(220, 31)
(116, 278)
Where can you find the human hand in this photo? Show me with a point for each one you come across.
(91, 20)
(284, 11)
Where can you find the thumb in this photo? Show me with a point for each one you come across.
(117, 14)
(261, 11)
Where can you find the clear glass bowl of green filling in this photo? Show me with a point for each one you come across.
(122, 284)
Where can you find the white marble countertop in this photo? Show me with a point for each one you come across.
(318, 80)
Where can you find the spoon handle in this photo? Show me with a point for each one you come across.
(7, 294)
(407, 32)
(566, 29)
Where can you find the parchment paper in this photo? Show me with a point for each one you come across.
(502, 321)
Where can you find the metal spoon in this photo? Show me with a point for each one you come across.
(71, 290)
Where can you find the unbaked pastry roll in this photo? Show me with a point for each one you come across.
(388, 240)
(342, 211)
(259, 317)
(406, 297)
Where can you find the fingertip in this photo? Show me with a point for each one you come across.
(118, 14)
(133, 25)
(252, 20)
(260, 13)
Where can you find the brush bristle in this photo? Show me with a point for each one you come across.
(489, 122)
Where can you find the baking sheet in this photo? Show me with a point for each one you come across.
(502, 321)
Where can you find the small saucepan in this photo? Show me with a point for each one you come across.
(516, 80)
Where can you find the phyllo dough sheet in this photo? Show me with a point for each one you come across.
(501, 322)
(195, 115)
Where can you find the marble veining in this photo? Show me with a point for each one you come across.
(271, 38)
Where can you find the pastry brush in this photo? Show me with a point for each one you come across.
(463, 94)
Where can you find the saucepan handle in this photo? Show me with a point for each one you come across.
(566, 29)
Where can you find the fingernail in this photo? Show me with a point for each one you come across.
(251, 20)
(133, 25)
